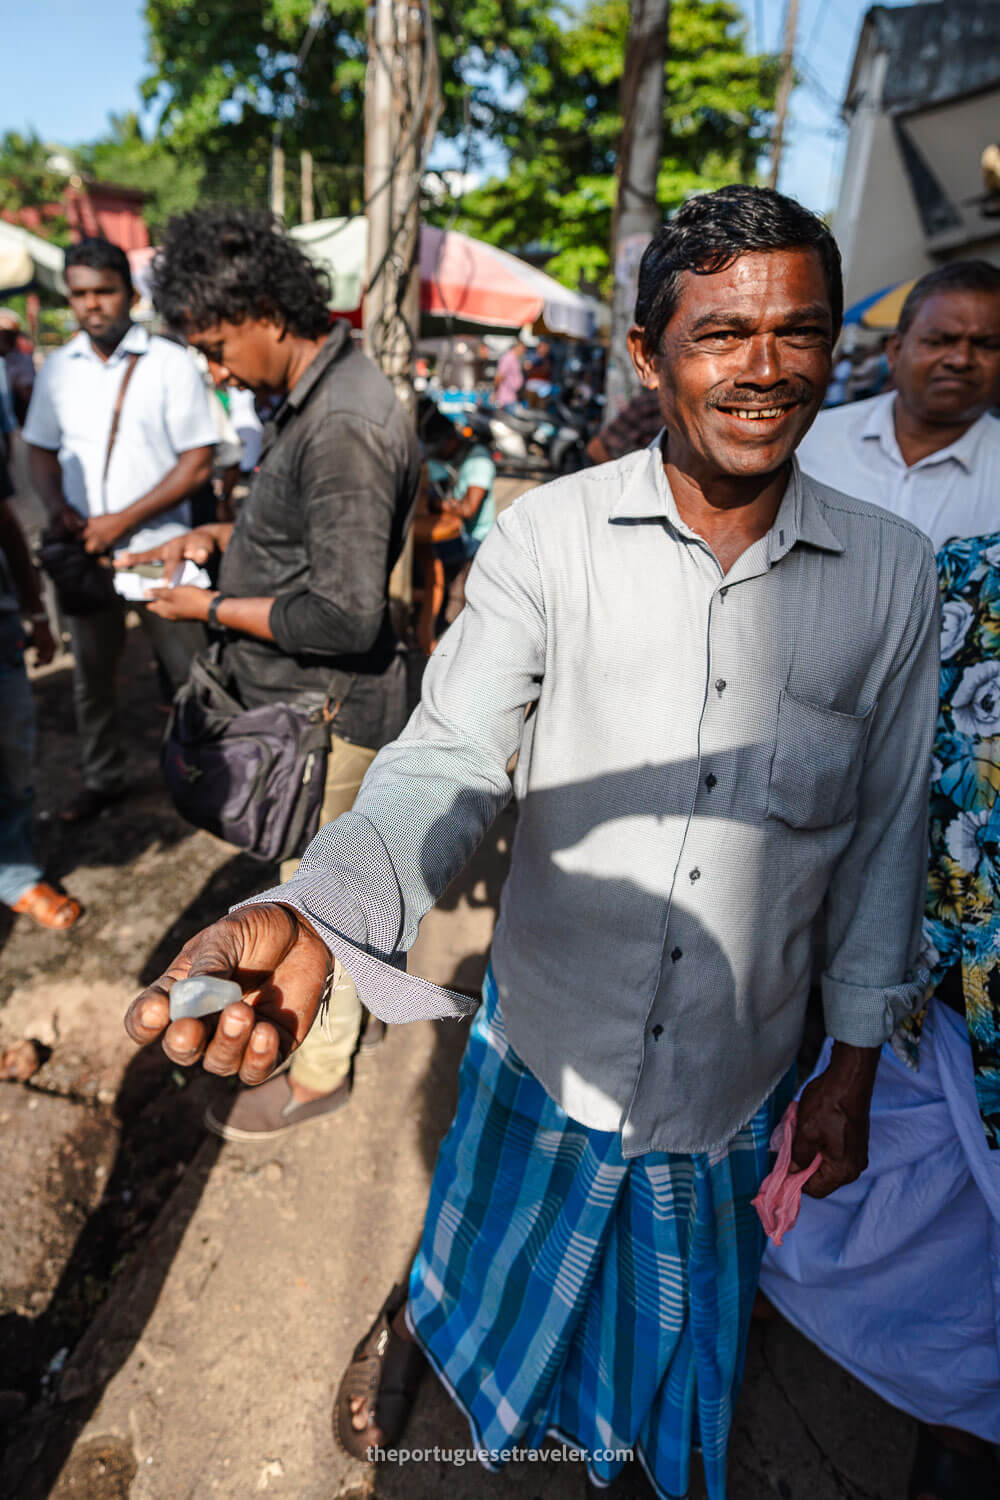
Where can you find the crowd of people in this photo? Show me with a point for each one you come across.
(731, 673)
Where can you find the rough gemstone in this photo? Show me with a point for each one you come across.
(201, 996)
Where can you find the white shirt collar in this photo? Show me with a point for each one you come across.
(880, 425)
(135, 340)
(647, 494)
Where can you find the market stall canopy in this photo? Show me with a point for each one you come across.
(460, 278)
(28, 260)
(881, 309)
(341, 247)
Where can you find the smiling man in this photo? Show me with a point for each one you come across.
(719, 679)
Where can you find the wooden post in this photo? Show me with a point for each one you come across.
(277, 175)
(397, 87)
(637, 212)
(784, 89)
(308, 210)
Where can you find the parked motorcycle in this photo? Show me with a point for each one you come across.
(552, 440)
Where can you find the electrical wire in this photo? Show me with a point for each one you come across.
(759, 37)
(822, 11)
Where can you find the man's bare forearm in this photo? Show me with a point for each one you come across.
(191, 471)
(250, 616)
(222, 532)
(46, 476)
(15, 549)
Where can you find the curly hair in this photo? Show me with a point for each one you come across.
(228, 265)
(712, 230)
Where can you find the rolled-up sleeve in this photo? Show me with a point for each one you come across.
(429, 797)
(876, 898)
(350, 504)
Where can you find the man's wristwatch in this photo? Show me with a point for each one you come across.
(213, 611)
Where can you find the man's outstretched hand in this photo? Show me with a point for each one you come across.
(833, 1119)
(280, 964)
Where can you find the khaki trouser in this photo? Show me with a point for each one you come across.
(324, 1058)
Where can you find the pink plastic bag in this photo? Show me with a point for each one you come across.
(780, 1196)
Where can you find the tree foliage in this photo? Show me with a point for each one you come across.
(222, 75)
(171, 180)
(562, 138)
(28, 179)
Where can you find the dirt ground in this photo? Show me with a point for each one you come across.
(175, 1312)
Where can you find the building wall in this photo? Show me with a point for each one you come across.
(888, 242)
(883, 236)
(114, 213)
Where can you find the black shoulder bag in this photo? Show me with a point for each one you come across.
(254, 777)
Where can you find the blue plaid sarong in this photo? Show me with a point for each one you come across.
(560, 1288)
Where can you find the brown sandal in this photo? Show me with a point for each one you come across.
(49, 907)
(384, 1372)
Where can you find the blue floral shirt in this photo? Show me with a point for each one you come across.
(962, 921)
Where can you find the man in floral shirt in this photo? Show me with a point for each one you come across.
(898, 1276)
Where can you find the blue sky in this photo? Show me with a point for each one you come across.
(70, 65)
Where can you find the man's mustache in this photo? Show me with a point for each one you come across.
(788, 393)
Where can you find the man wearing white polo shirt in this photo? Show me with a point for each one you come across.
(928, 451)
(129, 491)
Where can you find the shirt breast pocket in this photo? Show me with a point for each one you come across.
(816, 765)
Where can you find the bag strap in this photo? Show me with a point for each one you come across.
(332, 706)
(131, 360)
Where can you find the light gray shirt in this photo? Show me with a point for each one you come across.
(709, 764)
(954, 492)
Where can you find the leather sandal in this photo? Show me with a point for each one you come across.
(384, 1372)
(948, 1475)
(49, 907)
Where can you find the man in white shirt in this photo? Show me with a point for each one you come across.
(132, 494)
(928, 451)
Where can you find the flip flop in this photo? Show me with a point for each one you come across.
(384, 1372)
(49, 907)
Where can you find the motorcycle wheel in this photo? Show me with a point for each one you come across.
(572, 460)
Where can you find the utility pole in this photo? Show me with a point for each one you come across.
(784, 89)
(637, 213)
(401, 110)
(402, 106)
(308, 210)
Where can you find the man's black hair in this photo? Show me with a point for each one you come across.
(956, 276)
(100, 255)
(711, 231)
(229, 265)
(432, 424)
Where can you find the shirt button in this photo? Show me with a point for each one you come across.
(694, 875)
(720, 686)
(657, 1033)
(710, 781)
(676, 954)
(723, 592)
